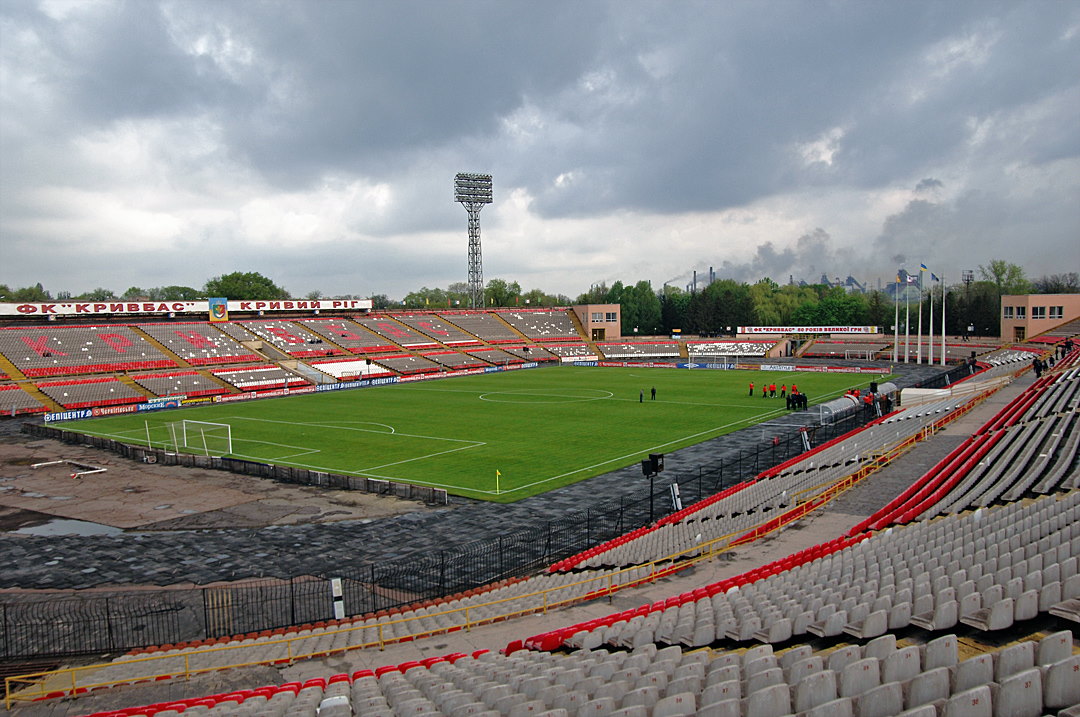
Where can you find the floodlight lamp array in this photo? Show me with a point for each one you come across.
(472, 188)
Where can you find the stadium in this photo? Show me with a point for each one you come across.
(298, 508)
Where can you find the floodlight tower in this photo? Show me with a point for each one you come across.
(473, 191)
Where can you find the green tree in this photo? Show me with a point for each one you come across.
(425, 298)
(1068, 283)
(26, 294)
(1008, 278)
(380, 302)
(98, 294)
(134, 293)
(501, 293)
(244, 286)
(175, 293)
(674, 309)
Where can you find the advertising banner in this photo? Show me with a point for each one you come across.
(114, 307)
(808, 329)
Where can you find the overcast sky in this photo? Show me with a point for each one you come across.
(147, 143)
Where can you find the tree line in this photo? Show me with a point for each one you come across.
(714, 310)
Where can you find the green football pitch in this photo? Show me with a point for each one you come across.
(499, 436)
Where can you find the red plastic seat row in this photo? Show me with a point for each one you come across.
(554, 639)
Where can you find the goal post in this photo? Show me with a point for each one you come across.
(205, 437)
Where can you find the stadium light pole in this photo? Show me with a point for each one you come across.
(473, 191)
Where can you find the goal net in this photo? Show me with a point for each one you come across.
(859, 354)
(209, 439)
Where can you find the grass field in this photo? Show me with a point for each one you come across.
(539, 429)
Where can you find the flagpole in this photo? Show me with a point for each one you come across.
(942, 319)
(918, 352)
(930, 339)
(497, 476)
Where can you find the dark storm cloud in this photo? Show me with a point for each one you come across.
(314, 126)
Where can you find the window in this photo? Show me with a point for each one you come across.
(1057, 312)
(1021, 312)
(1007, 312)
(611, 317)
(1038, 312)
(597, 316)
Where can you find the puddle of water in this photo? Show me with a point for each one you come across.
(63, 526)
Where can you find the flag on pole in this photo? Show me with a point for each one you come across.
(498, 475)
(934, 277)
(922, 267)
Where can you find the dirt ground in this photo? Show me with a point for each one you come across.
(142, 497)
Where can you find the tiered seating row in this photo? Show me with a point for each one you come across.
(14, 400)
(398, 333)
(455, 359)
(433, 326)
(512, 598)
(542, 325)
(530, 353)
(407, 364)
(648, 349)
(200, 344)
(984, 569)
(497, 357)
(569, 351)
(89, 392)
(728, 348)
(176, 383)
(258, 378)
(291, 338)
(349, 335)
(830, 349)
(946, 484)
(488, 327)
(882, 678)
(48, 351)
(350, 370)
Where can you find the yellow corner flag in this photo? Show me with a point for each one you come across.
(498, 475)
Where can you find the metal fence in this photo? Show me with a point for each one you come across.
(100, 623)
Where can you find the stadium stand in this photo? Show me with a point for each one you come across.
(880, 678)
(258, 378)
(350, 369)
(90, 392)
(15, 401)
(456, 359)
(542, 325)
(982, 570)
(50, 351)
(643, 349)
(200, 344)
(443, 332)
(841, 349)
(397, 332)
(291, 338)
(698, 349)
(570, 351)
(406, 364)
(487, 326)
(176, 383)
(530, 353)
(349, 335)
(495, 356)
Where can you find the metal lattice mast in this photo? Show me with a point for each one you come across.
(473, 191)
